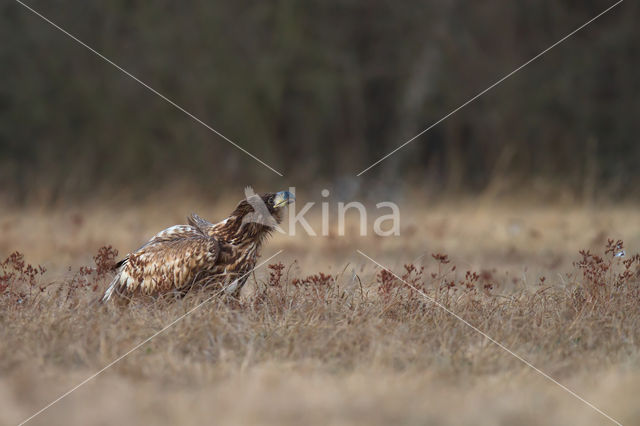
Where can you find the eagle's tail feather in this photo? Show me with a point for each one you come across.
(110, 289)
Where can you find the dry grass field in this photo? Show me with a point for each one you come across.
(322, 335)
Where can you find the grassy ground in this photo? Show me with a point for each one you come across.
(328, 337)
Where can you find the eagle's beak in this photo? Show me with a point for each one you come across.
(283, 198)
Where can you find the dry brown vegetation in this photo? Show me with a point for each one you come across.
(352, 344)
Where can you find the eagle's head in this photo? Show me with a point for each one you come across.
(276, 202)
(263, 211)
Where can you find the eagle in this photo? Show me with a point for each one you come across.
(201, 253)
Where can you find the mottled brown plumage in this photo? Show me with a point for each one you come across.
(201, 253)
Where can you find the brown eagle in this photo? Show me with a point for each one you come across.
(201, 253)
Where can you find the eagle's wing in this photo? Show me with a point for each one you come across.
(203, 225)
(173, 259)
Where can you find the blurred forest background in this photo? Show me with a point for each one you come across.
(319, 90)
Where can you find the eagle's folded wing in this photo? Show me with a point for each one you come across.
(172, 260)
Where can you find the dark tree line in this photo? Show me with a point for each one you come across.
(319, 90)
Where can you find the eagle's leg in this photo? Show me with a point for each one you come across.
(235, 287)
(181, 293)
